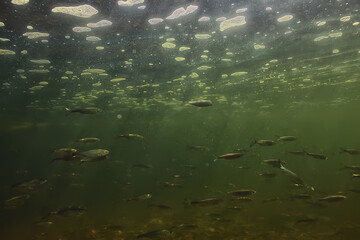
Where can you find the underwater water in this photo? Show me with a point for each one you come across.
(149, 119)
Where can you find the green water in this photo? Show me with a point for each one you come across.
(292, 85)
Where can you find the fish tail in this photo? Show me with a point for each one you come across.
(216, 158)
(253, 143)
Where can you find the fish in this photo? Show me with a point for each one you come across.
(333, 198)
(75, 158)
(131, 136)
(263, 143)
(242, 192)
(140, 198)
(201, 103)
(300, 196)
(141, 165)
(71, 211)
(350, 151)
(356, 175)
(206, 201)
(161, 206)
(293, 177)
(199, 148)
(307, 220)
(176, 185)
(155, 234)
(29, 184)
(268, 175)
(87, 110)
(317, 156)
(274, 162)
(231, 156)
(94, 153)
(354, 168)
(88, 140)
(286, 138)
(65, 152)
(16, 201)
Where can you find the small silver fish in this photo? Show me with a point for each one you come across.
(29, 184)
(274, 162)
(87, 110)
(242, 192)
(88, 140)
(263, 143)
(155, 234)
(206, 201)
(287, 138)
(72, 211)
(317, 156)
(350, 151)
(201, 103)
(140, 198)
(333, 198)
(231, 156)
(131, 136)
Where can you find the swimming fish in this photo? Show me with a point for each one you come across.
(242, 192)
(140, 198)
(263, 143)
(29, 184)
(201, 103)
(87, 110)
(206, 201)
(333, 198)
(286, 138)
(71, 211)
(155, 234)
(316, 155)
(131, 136)
(350, 151)
(88, 140)
(230, 156)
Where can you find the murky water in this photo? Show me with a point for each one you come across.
(267, 69)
